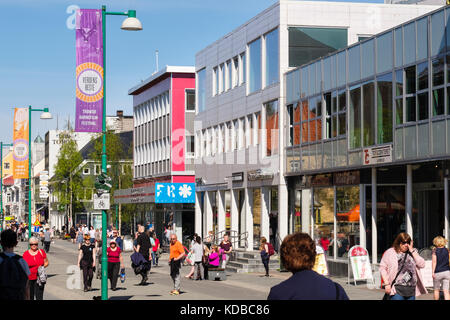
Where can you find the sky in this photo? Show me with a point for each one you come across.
(37, 54)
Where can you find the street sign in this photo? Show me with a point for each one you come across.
(102, 202)
(135, 195)
(37, 223)
(35, 229)
(175, 193)
(43, 195)
(103, 183)
(43, 189)
(43, 183)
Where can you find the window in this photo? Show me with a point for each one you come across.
(307, 44)
(354, 67)
(249, 131)
(384, 108)
(335, 123)
(6, 165)
(229, 75)
(290, 114)
(422, 34)
(409, 32)
(272, 123)
(368, 114)
(216, 81)
(271, 48)
(255, 65)
(355, 117)
(437, 33)
(398, 34)
(243, 70)
(236, 72)
(97, 169)
(222, 78)
(438, 88)
(201, 90)
(86, 171)
(190, 100)
(384, 52)
(368, 59)
(190, 146)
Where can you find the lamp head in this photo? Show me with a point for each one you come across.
(131, 23)
(46, 115)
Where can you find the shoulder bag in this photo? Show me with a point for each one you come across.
(41, 274)
(388, 296)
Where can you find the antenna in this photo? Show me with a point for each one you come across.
(156, 56)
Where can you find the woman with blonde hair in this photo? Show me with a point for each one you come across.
(440, 267)
(265, 257)
(399, 268)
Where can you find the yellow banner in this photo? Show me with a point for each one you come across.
(21, 150)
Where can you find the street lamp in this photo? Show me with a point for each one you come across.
(45, 115)
(132, 24)
(1, 182)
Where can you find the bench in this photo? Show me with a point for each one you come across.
(216, 274)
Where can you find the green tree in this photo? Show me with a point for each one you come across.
(67, 181)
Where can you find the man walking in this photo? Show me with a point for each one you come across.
(47, 239)
(144, 247)
(176, 254)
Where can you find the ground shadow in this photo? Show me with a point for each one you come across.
(144, 285)
(121, 298)
(153, 295)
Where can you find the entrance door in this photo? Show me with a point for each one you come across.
(256, 217)
(430, 217)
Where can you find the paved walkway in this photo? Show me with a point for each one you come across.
(238, 286)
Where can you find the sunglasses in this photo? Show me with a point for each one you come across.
(406, 242)
(33, 244)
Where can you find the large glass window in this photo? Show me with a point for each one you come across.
(354, 67)
(398, 33)
(201, 90)
(272, 123)
(190, 100)
(324, 216)
(409, 32)
(422, 37)
(437, 33)
(384, 108)
(272, 70)
(368, 114)
(255, 65)
(347, 219)
(368, 58)
(438, 88)
(384, 52)
(341, 68)
(342, 113)
(355, 118)
(307, 44)
(304, 83)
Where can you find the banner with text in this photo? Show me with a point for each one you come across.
(89, 71)
(21, 150)
(175, 193)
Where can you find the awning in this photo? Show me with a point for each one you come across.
(8, 180)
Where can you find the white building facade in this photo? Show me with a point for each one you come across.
(240, 167)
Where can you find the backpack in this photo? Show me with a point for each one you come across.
(271, 250)
(13, 278)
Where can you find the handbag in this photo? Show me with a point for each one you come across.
(388, 296)
(41, 274)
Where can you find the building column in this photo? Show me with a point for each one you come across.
(198, 215)
(283, 211)
(409, 227)
(306, 211)
(374, 216)
(248, 205)
(265, 211)
(221, 211)
(208, 217)
(234, 211)
(446, 223)
(178, 225)
(362, 216)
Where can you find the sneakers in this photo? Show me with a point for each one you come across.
(174, 293)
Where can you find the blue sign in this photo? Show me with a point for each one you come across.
(175, 193)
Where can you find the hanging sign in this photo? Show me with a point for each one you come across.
(89, 71)
(320, 266)
(175, 193)
(377, 155)
(360, 262)
(20, 143)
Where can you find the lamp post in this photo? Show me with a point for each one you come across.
(45, 115)
(1, 182)
(131, 24)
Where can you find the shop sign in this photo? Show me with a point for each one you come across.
(175, 193)
(377, 155)
(427, 274)
(346, 178)
(360, 262)
(259, 174)
(320, 266)
(322, 180)
(237, 177)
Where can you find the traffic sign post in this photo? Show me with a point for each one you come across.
(102, 202)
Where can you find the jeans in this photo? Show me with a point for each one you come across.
(266, 265)
(224, 262)
(88, 273)
(47, 246)
(36, 291)
(176, 277)
(154, 258)
(198, 270)
(399, 297)
(113, 273)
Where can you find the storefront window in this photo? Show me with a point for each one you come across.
(347, 219)
(324, 217)
(297, 223)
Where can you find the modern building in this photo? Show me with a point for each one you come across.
(164, 111)
(367, 139)
(240, 155)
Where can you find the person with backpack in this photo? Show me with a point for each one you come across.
(14, 271)
(227, 247)
(37, 260)
(265, 252)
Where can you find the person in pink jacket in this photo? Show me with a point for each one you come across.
(402, 263)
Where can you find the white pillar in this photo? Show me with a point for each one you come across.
(248, 204)
(198, 215)
(178, 225)
(374, 216)
(409, 227)
(234, 211)
(208, 218)
(283, 211)
(362, 216)
(221, 210)
(306, 211)
(265, 211)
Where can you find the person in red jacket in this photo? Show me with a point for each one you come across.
(35, 258)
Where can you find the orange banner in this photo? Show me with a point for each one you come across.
(21, 150)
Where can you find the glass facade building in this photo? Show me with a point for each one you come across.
(372, 122)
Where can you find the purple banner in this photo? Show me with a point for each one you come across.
(89, 72)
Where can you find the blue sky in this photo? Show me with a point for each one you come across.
(37, 56)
